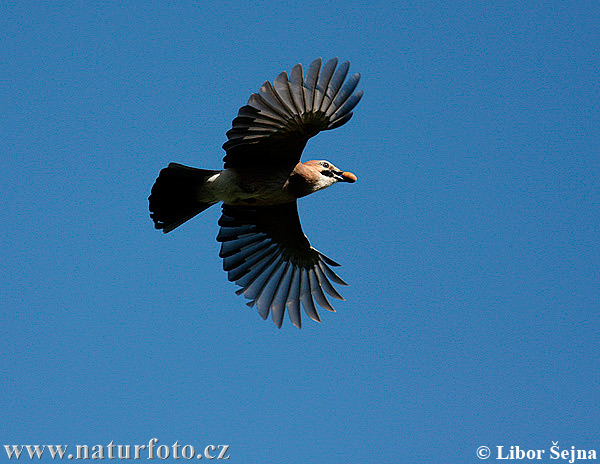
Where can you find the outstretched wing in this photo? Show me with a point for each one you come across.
(278, 120)
(266, 253)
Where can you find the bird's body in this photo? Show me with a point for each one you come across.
(260, 187)
(263, 247)
(249, 186)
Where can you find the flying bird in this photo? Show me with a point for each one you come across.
(263, 247)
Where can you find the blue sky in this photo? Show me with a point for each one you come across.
(470, 240)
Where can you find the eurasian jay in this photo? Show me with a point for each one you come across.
(263, 247)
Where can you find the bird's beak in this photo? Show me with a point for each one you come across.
(347, 177)
(343, 176)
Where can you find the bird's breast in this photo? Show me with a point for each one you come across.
(251, 188)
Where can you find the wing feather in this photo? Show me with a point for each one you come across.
(254, 271)
(324, 282)
(297, 88)
(264, 299)
(306, 297)
(331, 275)
(312, 75)
(281, 293)
(253, 262)
(334, 86)
(317, 291)
(240, 256)
(344, 94)
(293, 298)
(323, 83)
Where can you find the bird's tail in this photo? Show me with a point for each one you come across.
(178, 195)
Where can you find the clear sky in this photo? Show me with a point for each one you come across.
(470, 241)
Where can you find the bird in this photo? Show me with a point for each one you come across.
(264, 250)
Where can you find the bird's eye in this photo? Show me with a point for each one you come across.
(325, 164)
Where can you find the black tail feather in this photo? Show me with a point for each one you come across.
(175, 195)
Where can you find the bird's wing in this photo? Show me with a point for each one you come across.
(266, 253)
(278, 120)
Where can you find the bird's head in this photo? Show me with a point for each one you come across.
(325, 173)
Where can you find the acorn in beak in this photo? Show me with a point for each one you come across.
(348, 177)
(344, 176)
